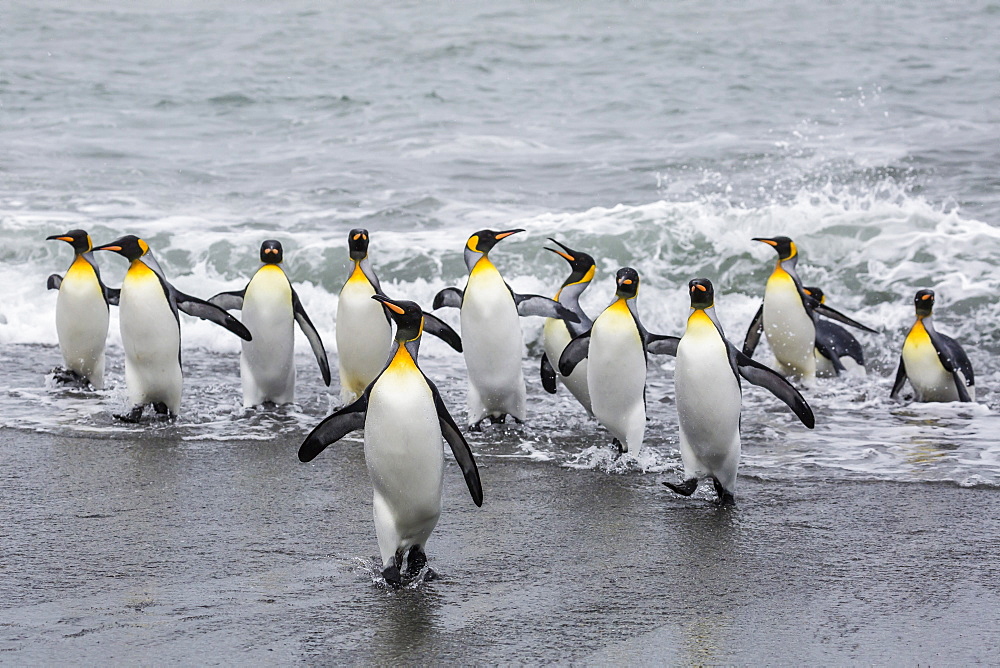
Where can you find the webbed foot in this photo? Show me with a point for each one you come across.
(685, 488)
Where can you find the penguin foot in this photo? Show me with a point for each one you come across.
(726, 497)
(65, 376)
(133, 416)
(476, 426)
(392, 576)
(618, 444)
(685, 488)
(415, 561)
(162, 412)
(497, 419)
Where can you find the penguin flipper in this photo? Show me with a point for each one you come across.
(839, 342)
(112, 295)
(826, 349)
(756, 328)
(349, 418)
(315, 342)
(661, 344)
(449, 297)
(230, 301)
(459, 447)
(574, 353)
(834, 314)
(772, 381)
(55, 280)
(897, 385)
(548, 375)
(200, 308)
(442, 330)
(953, 358)
(544, 307)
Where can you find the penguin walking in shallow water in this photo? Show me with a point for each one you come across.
(269, 307)
(405, 420)
(364, 333)
(82, 312)
(491, 331)
(151, 331)
(788, 316)
(616, 347)
(837, 351)
(557, 333)
(936, 365)
(709, 397)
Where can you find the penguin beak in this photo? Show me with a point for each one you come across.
(507, 233)
(565, 254)
(59, 237)
(770, 242)
(110, 247)
(389, 304)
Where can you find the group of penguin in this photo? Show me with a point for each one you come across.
(602, 362)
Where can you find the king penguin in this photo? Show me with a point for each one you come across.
(364, 333)
(270, 306)
(151, 331)
(936, 365)
(491, 331)
(405, 420)
(709, 397)
(787, 316)
(557, 333)
(82, 312)
(837, 351)
(616, 347)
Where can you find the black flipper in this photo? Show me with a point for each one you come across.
(954, 359)
(548, 375)
(544, 307)
(230, 301)
(833, 314)
(775, 383)
(661, 344)
(200, 308)
(825, 348)
(335, 427)
(574, 353)
(55, 280)
(112, 295)
(685, 488)
(315, 342)
(442, 330)
(753, 333)
(839, 341)
(459, 447)
(897, 385)
(449, 297)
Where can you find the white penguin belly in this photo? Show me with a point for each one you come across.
(790, 331)
(492, 343)
(363, 337)
(555, 337)
(403, 451)
(151, 339)
(930, 380)
(708, 404)
(267, 364)
(82, 322)
(616, 375)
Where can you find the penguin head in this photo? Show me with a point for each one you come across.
(408, 316)
(271, 253)
(357, 242)
(924, 301)
(702, 293)
(627, 279)
(817, 294)
(582, 265)
(484, 240)
(78, 239)
(130, 247)
(784, 246)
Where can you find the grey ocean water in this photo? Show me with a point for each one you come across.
(663, 136)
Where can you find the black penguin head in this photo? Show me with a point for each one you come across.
(582, 265)
(484, 240)
(408, 316)
(627, 279)
(702, 293)
(784, 246)
(924, 301)
(78, 239)
(271, 252)
(357, 242)
(130, 247)
(817, 294)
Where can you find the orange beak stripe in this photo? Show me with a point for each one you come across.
(69, 239)
(504, 235)
(925, 297)
(395, 309)
(112, 248)
(769, 242)
(702, 288)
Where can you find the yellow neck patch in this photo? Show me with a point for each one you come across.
(699, 321)
(482, 264)
(357, 274)
(402, 362)
(918, 339)
(80, 269)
